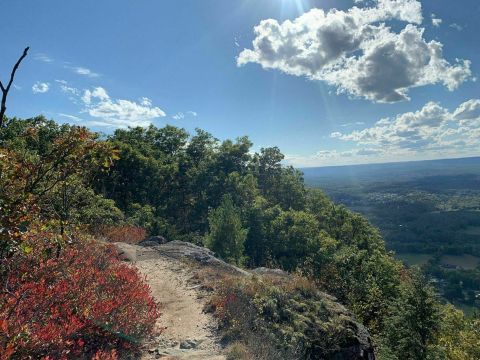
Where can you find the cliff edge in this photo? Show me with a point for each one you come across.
(214, 310)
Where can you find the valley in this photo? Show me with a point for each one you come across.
(427, 211)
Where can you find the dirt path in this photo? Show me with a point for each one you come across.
(188, 333)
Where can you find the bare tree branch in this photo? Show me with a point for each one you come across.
(6, 89)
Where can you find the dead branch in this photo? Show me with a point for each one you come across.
(6, 89)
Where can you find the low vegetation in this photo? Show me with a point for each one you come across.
(75, 304)
(64, 295)
(284, 318)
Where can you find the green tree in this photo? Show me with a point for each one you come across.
(38, 161)
(227, 236)
(258, 245)
(414, 320)
(267, 168)
(280, 185)
(293, 235)
(73, 203)
(458, 337)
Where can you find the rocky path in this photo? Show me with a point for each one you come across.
(188, 332)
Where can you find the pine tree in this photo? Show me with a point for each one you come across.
(226, 235)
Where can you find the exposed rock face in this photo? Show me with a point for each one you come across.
(153, 241)
(203, 256)
(350, 340)
(359, 345)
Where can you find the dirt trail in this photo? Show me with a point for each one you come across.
(188, 333)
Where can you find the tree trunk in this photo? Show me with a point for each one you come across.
(6, 89)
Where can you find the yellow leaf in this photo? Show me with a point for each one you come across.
(27, 249)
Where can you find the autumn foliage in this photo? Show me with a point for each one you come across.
(126, 233)
(36, 157)
(83, 303)
(63, 295)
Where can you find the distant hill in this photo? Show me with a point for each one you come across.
(399, 171)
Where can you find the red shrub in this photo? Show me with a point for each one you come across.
(126, 233)
(105, 355)
(84, 301)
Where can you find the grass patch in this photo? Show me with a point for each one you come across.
(237, 351)
(412, 259)
(465, 261)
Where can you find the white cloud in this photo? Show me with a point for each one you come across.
(97, 93)
(80, 70)
(178, 116)
(70, 117)
(43, 57)
(66, 88)
(84, 71)
(430, 130)
(40, 87)
(368, 152)
(336, 135)
(456, 26)
(109, 112)
(356, 123)
(468, 111)
(334, 157)
(118, 112)
(145, 101)
(182, 115)
(356, 52)
(436, 21)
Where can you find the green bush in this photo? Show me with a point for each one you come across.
(283, 318)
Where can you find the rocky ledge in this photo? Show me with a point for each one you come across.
(323, 321)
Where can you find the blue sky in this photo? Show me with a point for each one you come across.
(379, 82)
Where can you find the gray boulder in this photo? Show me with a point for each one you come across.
(153, 241)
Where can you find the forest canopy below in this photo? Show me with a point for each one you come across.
(427, 211)
(249, 208)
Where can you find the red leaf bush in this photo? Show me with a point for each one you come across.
(83, 303)
(126, 233)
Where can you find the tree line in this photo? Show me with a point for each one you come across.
(247, 207)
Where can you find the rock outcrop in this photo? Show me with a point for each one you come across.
(153, 241)
(187, 251)
(323, 322)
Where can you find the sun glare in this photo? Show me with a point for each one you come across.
(300, 5)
